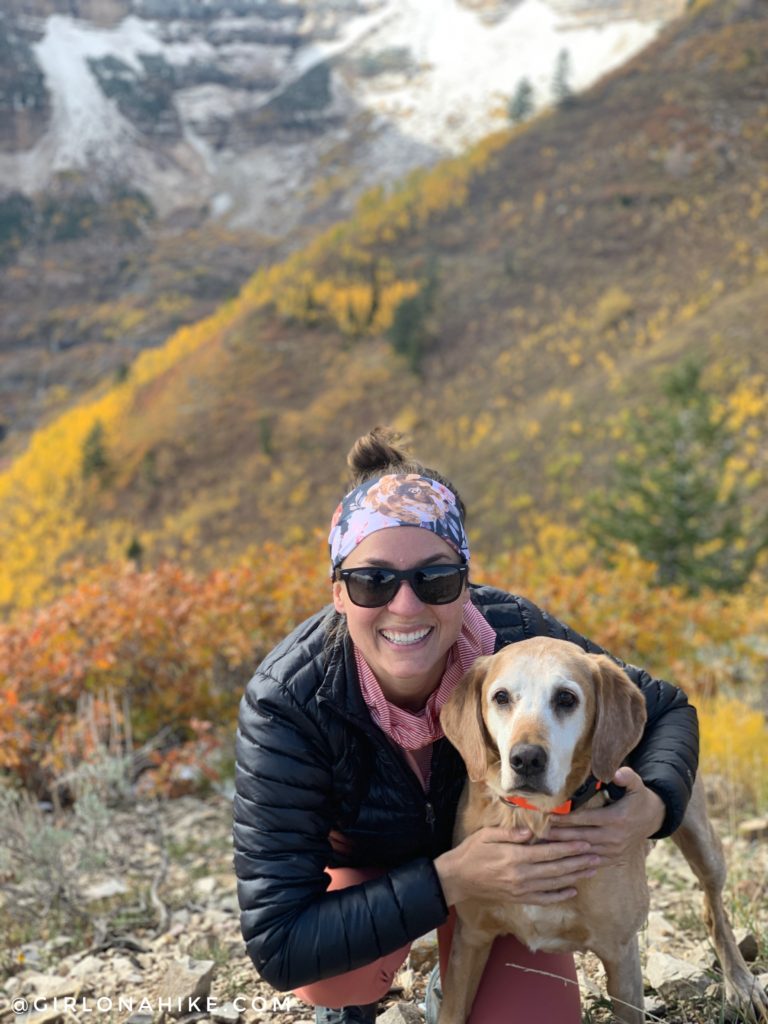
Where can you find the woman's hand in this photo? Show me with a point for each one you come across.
(498, 864)
(614, 829)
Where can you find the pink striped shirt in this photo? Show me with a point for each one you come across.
(416, 731)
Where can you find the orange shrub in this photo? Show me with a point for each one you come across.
(177, 646)
(172, 650)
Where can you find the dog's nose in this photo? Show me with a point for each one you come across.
(528, 759)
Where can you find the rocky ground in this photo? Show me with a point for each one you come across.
(158, 925)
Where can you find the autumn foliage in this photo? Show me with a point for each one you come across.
(170, 651)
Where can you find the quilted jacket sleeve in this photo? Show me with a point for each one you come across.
(296, 932)
(666, 759)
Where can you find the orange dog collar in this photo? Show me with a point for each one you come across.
(585, 792)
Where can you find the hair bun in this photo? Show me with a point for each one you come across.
(377, 452)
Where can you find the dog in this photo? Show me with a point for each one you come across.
(540, 722)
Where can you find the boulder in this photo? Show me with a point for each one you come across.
(673, 978)
(186, 986)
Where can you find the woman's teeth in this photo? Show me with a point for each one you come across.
(406, 638)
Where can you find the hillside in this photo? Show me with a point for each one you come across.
(155, 153)
(561, 267)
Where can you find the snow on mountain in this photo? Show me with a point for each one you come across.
(264, 110)
(465, 70)
(86, 124)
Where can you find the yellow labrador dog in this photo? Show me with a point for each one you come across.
(537, 723)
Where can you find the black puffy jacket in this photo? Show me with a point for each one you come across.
(312, 768)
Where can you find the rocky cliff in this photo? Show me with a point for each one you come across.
(270, 113)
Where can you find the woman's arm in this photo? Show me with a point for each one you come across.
(295, 931)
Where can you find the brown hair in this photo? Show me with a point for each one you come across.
(382, 451)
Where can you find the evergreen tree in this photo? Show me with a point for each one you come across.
(521, 105)
(676, 498)
(561, 85)
(411, 332)
(95, 460)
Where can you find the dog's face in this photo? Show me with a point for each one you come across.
(536, 718)
(536, 708)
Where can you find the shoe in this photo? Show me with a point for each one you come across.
(346, 1014)
(433, 996)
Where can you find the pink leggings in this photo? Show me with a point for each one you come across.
(511, 966)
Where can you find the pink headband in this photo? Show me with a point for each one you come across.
(398, 499)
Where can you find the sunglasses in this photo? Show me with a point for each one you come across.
(373, 587)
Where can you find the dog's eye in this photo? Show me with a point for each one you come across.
(566, 699)
(501, 697)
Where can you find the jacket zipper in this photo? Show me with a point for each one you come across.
(391, 751)
(430, 816)
(398, 757)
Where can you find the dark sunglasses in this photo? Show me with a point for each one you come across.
(373, 587)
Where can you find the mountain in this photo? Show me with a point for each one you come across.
(154, 153)
(509, 308)
(270, 112)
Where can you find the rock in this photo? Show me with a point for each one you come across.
(50, 1015)
(659, 929)
(400, 1013)
(228, 903)
(104, 889)
(226, 1014)
(87, 967)
(747, 943)
(205, 886)
(754, 828)
(186, 985)
(123, 969)
(673, 978)
(424, 951)
(52, 986)
(30, 954)
(654, 1006)
(402, 983)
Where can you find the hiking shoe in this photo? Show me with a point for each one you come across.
(346, 1014)
(433, 996)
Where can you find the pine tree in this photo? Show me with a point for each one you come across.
(521, 106)
(675, 498)
(561, 85)
(411, 332)
(95, 460)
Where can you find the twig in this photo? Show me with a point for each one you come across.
(162, 910)
(570, 981)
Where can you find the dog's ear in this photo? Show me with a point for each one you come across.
(620, 717)
(462, 720)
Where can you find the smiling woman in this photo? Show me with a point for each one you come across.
(347, 787)
(405, 641)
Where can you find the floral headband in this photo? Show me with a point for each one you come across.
(398, 499)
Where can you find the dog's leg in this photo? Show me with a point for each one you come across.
(701, 847)
(624, 982)
(469, 955)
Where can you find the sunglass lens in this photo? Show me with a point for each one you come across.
(438, 584)
(371, 588)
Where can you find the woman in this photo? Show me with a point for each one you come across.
(347, 789)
